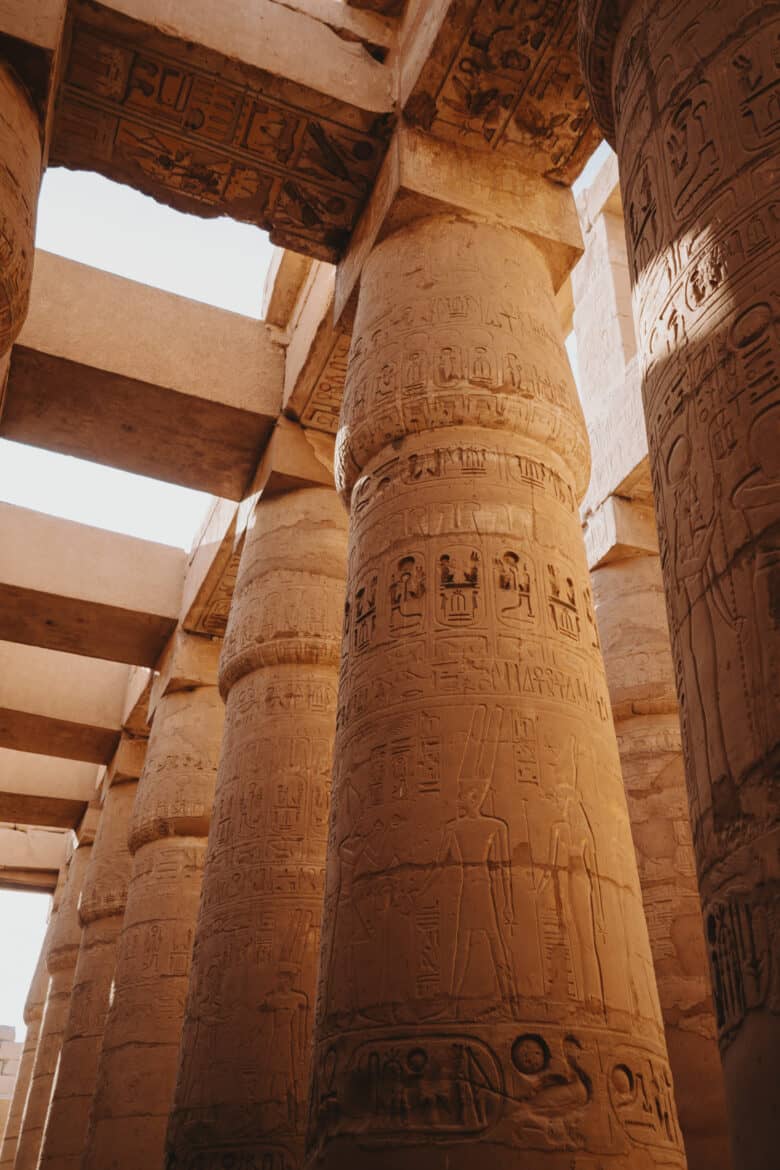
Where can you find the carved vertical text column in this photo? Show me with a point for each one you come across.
(33, 1011)
(244, 1071)
(62, 953)
(486, 980)
(137, 1067)
(688, 93)
(20, 175)
(101, 910)
(629, 606)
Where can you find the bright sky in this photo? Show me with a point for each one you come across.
(89, 219)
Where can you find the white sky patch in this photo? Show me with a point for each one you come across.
(22, 927)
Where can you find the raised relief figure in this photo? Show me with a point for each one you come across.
(407, 593)
(459, 587)
(513, 581)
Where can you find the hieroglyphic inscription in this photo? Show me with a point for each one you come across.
(212, 137)
(505, 77)
(484, 952)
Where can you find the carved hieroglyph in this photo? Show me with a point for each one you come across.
(245, 1057)
(62, 950)
(486, 980)
(100, 910)
(629, 609)
(137, 1068)
(211, 136)
(505, 77)
(33, 1011)
(20, 176)
(691, 93)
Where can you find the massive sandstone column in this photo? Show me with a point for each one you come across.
(622, 549)
(21, 149)
(244, 1072)
(33, 1011)
(688, 93)
(629, 608)
(101, 909)
(487, 989)
(137, 1068)
(61, 954)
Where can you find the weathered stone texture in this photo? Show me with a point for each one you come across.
(246, 1045)
(486, 976)
(20, 176)
(101, 909)
(690, 93)
(137, 1067)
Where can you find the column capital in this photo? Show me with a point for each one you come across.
(127, 763)
(423, 177)
(618, 529)
(188, 660)
(599, 24)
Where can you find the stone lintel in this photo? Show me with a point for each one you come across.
(421, 26)
(316, 355)
(602, 194)
(111, 370)
(322, 47)
(135, 711)
(30, 36)
(286, 275)
(59, 704)
(71, 587)
(87, 827)
(211, 573)
(618, 529)
(188, 661)
(127, 762)
(31, 859)
(42, 790)
(422, 176)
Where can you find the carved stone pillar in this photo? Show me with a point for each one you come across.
(688, 94)
(629, 607)
(486, 988)
(137, 1067)
(101, 910)
(61, 955)
(246, 1044)
(20, 176)
(33, 1011)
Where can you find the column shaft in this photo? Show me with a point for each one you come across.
(61, 958)
(33, 1011)
(101, 909)
(137, 1066)
(689, 92)
(629, 607)
(20, 177)
(486, 979)
(244, 1069)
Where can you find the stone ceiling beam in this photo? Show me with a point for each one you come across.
(59, 704)
(69, 587)
(31, 859)
(111, 370)
(43, 790)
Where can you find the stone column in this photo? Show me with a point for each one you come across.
(629, 607)
(20, 176)
(244, 1072)
(688, 94)
(137, 1067)
(487, 989)
(101, 910)
(33, 1011)
(61, 955)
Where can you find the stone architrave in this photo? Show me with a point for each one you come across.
(137, 1066)
(629, 608)
(33, 1012)
(688, 93)
(100, 910)
(487, 989)
(21, 150)
(61, 955)
(246, 1045)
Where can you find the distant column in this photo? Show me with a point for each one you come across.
(20, 176)
(61, 964)
(137, 1067)
(246, 1045)
(33, 1011)
(101, 912)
